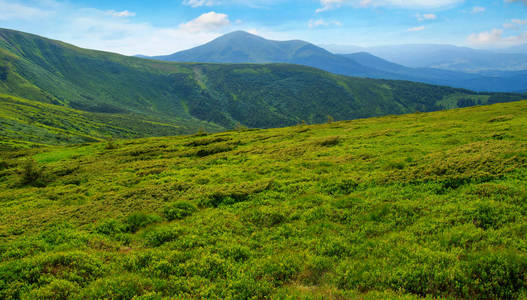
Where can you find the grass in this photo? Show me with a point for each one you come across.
(61, 94)
(399, 207)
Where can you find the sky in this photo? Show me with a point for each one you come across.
(167, 26)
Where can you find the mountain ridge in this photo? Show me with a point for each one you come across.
(244, 47)
(186, 97)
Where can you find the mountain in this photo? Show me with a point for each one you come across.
(126, 95)
(495, 80)
(419, 206)
(448, 57)
(519, 49)
(243, 47)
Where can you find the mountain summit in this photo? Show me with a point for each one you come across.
(244, 47)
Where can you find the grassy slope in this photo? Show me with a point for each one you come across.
(421, 204)
(204, 95)
(27, 123)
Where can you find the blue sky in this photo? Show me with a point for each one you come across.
(162, 27)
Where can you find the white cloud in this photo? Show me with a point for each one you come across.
(519, 22)
(198, 3)
(406, 4)
(121, 14)
(419, 28)
(12, 11)
(425, 17)
(210, 21)
(514, 24)
(321, 22)
(521, 1)
(478, 9)
(329, 4)
(496, 38)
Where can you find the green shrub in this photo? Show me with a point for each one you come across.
(210, 266)
(498, 275)
(110, 227)
(487, 215)
(33, 174)
(3, 165)
(58, 289)
(266, 216)
(125, 286)
(139, 220)
(179, 210)
(162, 235)
(110, 145)
(236, 252)
(330, 141)
(224, 198)
(341, 187)
(279, 269)
(248, 287)
(211, 150)
(205, 142)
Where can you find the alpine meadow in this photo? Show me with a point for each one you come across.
(199, 150)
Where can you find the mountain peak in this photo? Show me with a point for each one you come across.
(240, 35)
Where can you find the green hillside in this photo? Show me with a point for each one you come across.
(214, 97)
(425, 204)
(27, 123)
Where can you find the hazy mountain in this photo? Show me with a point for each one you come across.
(243, 47)
(130, 96)
(447, 57)
(494, 80)
(520, 49)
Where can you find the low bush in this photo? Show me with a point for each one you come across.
(110, 227)
(162, 235)
(139, 220)
(179, 210)
(32, 174)
(211, 150)
(122, 287)
(496, 275)
(58, 289)
(328, 142)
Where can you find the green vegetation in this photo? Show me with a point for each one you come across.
(398, 207)
(61, 94)
(27, 123)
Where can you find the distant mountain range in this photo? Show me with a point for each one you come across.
(446, 57)
(49, 87)
(243, 47)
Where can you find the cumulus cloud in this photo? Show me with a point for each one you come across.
(210, 21)
(514, 23)
(406, 4)
(323, 23)
(121, 14)
(478, 9)
(424, 17)
(329, 4)
(521, 1)
(198, 3)
(419, 28)
(12, 10)
(497, 38)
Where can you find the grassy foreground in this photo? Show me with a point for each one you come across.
(428, 204)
